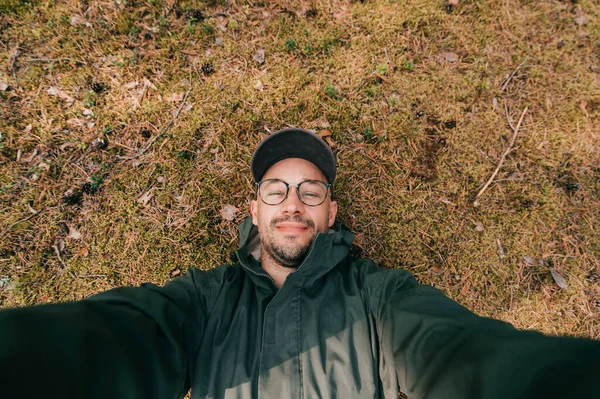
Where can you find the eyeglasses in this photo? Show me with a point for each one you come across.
(275, 191)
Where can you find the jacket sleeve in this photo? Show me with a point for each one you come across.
(439, 349)
(124, 343)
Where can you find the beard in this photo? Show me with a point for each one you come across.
(288, 251)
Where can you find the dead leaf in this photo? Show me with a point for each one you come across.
(73, 233)
(479, 226)
(146, 197)
(360, 239)
(175, 273)
(558, 278)
(30, 157)
(326, 135)
(449, 56)
(341, 13)
(436, 270)
(87, 111)
(219, 41)
(495, 104)
(260, 56)
(452, 2)
(500, 249)
(228, 212)
(75, 20)
(54, 91)
(30, 208)
(529, 260)
(3, 86)
(322, 123)
(259, 85)
(60, 245)
(149, 84)
(27, 128)
(175, 97)
(581, 20)
(83, 252)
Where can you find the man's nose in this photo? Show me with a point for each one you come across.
(292, 203)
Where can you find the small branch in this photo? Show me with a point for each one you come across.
(512, 75)
(503, 158)
(12, 64)
(197, 73)
(91, 275)
(162, 132)
(62, 262)
(19, 222)
(57, 252)
(55, 59)
(217, 14)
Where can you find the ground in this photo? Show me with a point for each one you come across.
(127, 127)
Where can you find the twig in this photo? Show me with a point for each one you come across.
(217, 14)
(512, 75)
(62, 262)
(506, 152)
(162, 132)
(55, 59)
(91, 275)
(12, 64)
(20, 221)
(57, 252)
(197, 73)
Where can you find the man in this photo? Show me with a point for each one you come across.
(297, 317)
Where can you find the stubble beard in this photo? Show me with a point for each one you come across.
(290, 253)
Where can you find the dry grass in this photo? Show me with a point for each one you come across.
(416, 98)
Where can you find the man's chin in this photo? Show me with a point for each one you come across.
(289, 255)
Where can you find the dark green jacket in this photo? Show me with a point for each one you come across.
(339, 327)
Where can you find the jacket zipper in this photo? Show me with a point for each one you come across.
(256, 273)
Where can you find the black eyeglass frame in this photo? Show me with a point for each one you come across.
(287, 191)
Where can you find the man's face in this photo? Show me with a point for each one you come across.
(288, 229)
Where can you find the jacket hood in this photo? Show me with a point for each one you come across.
(326, 251)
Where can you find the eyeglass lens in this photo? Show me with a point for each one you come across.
(310, 192)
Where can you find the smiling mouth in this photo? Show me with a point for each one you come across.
(290, 227)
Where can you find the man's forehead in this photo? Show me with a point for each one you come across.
(296, 167)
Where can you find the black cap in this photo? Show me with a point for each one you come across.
(293, 143)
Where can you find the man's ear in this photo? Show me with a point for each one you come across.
(254, 212)
(333, 208)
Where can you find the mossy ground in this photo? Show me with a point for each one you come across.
(416, 94)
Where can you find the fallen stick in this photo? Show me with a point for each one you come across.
(503, 158)
(12, 64)
(162, 132)
(512, 75)
(55, 60)
(57, 252)
(19, 222)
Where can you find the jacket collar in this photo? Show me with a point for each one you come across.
(327, 250)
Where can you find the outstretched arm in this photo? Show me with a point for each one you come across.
(124, 343)
(439, 349)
